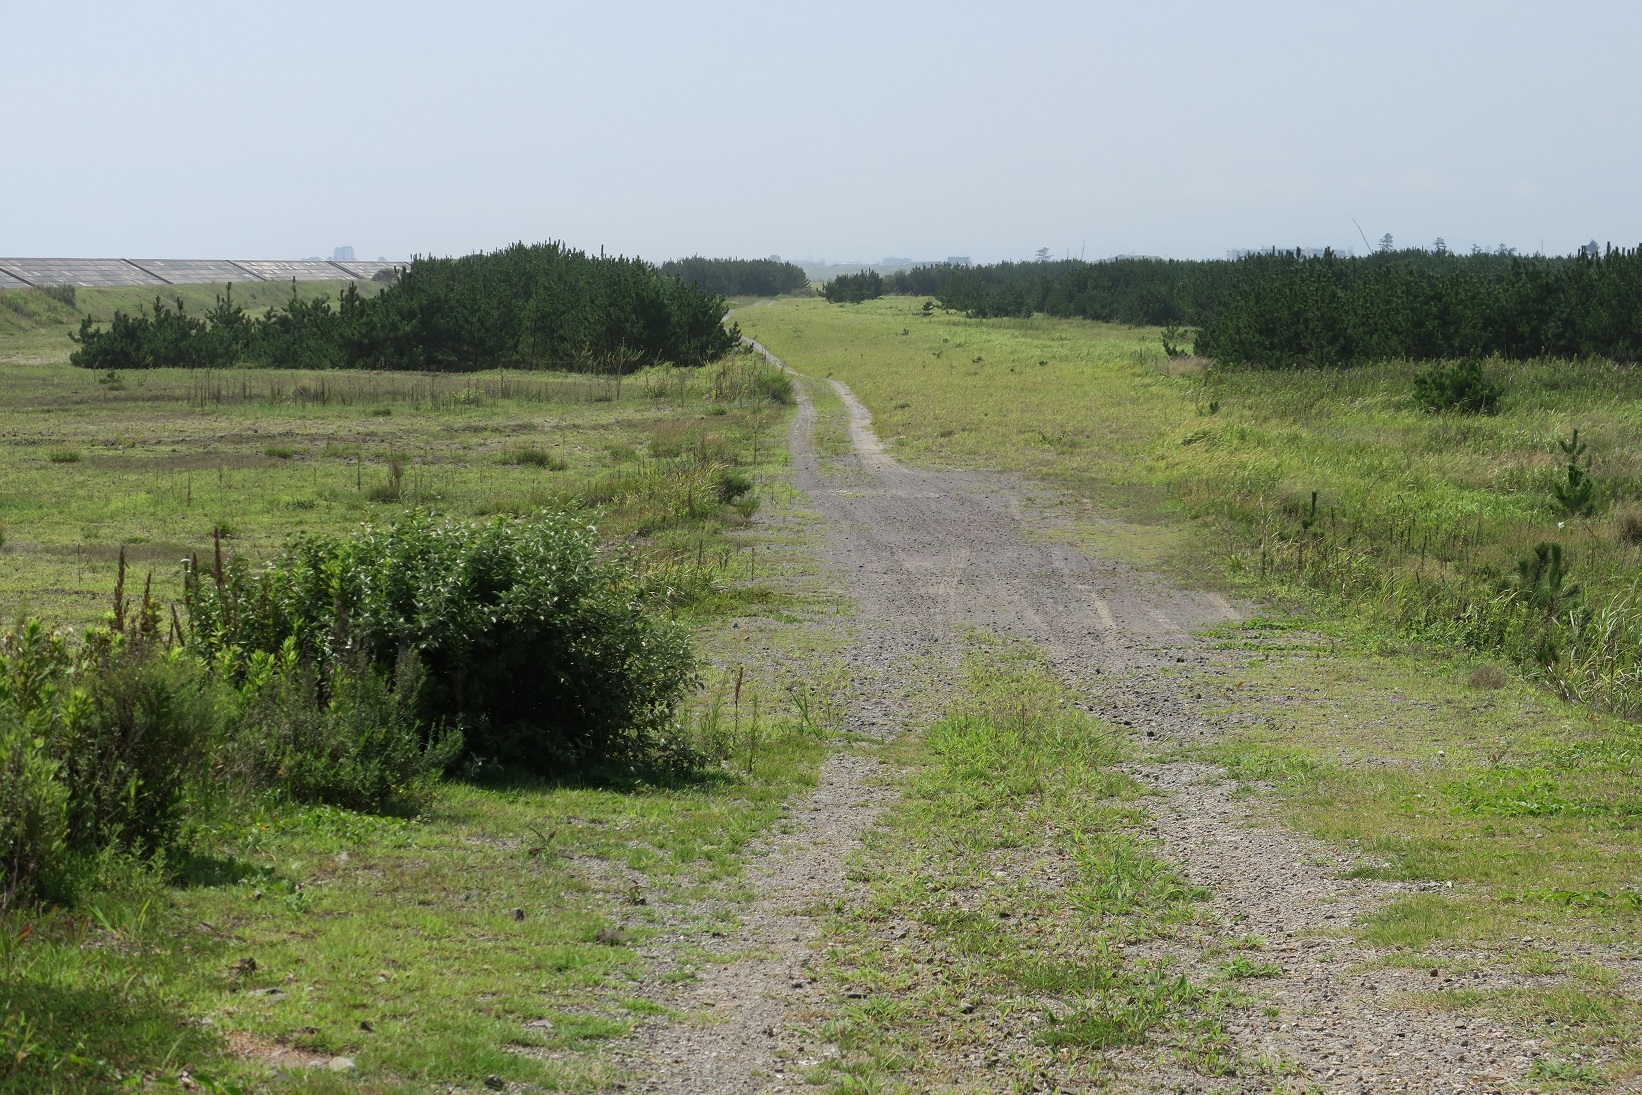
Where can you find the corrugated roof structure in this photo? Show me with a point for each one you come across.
(22, 273)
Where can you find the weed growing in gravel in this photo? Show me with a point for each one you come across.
(1014, 857)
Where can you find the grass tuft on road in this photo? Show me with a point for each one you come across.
(988, 947)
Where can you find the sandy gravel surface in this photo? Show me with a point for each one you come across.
(929, 556)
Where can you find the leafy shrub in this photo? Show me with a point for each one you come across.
(544, 653)
(33, 815)
(854, 288)
(353, 741)
(98, 748)
(731, 485)
(1456, 386)
(133, 734)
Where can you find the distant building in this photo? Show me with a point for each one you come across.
(957, 260)
(892, 260)
(342, 254)
(775, 258)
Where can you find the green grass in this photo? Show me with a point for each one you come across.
(159, 462)
(1002, 889)
(446, 949)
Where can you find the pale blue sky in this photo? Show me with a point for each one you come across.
(825, 129)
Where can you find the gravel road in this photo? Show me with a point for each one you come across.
(929, 556)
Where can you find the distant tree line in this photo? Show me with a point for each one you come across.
(740, 277)
(1283, 310)
(527, 306)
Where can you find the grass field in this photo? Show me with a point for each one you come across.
(464, 943)
(1423, 759)
(155, 461)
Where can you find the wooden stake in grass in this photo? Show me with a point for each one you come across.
(735, 709)
(752, 737)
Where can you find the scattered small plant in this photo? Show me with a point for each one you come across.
(731, 485)
(1486, 678)
(1556, 1070)
(1241, 967)
(1174, 339)
(530, 456)
(1576, 493)
(62, 294)
(279, 452)
(1542, 580)
(64, 456)
(394, 489)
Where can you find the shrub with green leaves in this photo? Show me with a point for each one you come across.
(98, 749)
(33, 814)
(854, 288)
(544, 652)
(352, 740)
(135, 731)
(1459, 386)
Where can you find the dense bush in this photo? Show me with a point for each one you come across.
(98, 749)
(1456, 386)
(854, 288)
(33, 815)
(527, 306)
(740, 277)
(544, 653)
(353, 739)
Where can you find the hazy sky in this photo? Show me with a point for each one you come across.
(826, 129)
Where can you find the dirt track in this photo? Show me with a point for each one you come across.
(926, 558)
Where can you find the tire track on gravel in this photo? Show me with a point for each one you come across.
(928, 556)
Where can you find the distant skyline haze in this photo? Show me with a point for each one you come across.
(844, 131)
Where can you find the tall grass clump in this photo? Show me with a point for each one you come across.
(543, 652)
